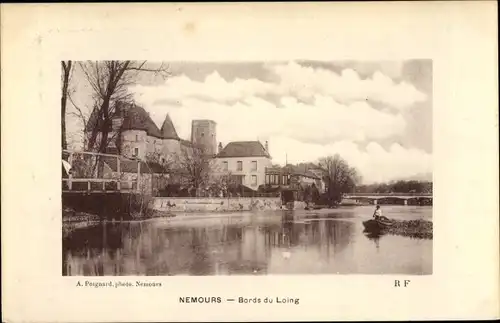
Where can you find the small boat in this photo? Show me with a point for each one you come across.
(377, 225)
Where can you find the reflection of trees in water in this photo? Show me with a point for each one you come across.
(145, 248)
(201, 262)
(322, 233)
(94, 238)
(375, 237)
(86, 251)
(247, 255)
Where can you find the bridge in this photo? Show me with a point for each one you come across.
(88, 175)
(107, 185)
(375, 197)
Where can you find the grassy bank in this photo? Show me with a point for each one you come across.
(421, 229)
(413, 228)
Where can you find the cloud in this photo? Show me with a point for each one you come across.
(214, 88)
(294, 80)
(374, 163)
(305, 82)
(323, 121)
(393, 69)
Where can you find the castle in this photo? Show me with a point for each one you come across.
(134, 134)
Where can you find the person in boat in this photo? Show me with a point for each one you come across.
(378, 214)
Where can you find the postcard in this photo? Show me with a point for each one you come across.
(250, 162)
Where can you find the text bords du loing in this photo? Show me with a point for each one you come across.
(241, 300)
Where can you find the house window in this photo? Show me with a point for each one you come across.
(237, 179)
(254, 180)
(276, 180)
(254, 165)
(225, 166)
(136, 137)
(239, 165)
(268, 179)
(136, 152)
(286, 181)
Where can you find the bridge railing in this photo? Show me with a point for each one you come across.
(97, 184)
(387, 194)
(101, 172)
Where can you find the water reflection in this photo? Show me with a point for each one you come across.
(271, 244)
(375, 237)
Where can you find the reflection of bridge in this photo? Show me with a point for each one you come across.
(378, 196)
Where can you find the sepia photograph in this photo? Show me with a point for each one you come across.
(247, 168)
(217, 162)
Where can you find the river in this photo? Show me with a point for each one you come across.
(258, 243)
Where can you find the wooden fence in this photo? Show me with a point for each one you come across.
(88, 174)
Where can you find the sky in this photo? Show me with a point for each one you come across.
(376, 115)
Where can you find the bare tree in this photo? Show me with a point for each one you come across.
(221, 182)
(67, 67)
(164, 163)
(340, 177)
(197, 167)
(82, 115)
(109, 81)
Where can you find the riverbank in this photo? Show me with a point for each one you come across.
(215, 204)
(73, 220)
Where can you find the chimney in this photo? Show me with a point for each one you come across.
(267, 146)
(220, 147)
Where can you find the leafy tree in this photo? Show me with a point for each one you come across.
(340, 177)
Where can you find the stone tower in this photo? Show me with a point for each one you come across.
(203, 134)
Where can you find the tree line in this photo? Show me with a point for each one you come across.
(401, 186)
(340, 178)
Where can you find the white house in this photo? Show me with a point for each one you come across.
(245, 161)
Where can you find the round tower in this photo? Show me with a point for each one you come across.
(203, 134)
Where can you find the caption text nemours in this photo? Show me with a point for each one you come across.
(117, 284)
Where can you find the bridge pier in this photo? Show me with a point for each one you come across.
(375, 202)
(405, 201)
